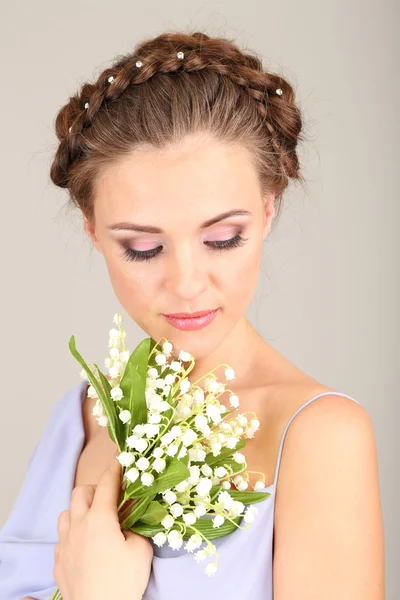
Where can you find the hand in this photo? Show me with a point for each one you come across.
(94, 559)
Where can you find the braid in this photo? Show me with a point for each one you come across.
(270, 94)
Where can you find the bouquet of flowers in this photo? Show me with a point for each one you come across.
(177, 443)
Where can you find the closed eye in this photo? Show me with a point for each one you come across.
(136, 255)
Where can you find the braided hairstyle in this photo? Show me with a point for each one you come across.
(216, 89)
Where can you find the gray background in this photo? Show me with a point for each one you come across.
(328, 289)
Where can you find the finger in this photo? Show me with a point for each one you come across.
(81, 501)
(57, 552)
(108, 487)
(63, 523)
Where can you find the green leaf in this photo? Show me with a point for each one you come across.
(147, 530)
(137, 512)
(112, 423)
(205, 526)
(174, 473)
(111, 411)
(249, 497)
(154, 513)
(214, 461)
(134, 398)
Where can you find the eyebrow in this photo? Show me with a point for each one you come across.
(126, 226)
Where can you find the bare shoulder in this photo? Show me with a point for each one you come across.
(328, 532)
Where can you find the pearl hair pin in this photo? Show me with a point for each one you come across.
(179, 55)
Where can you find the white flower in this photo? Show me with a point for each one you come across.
(117, 319)
(116, 393)
(239, 457)
(142, 463)
(211, 384)
(189, 518)
(141, 445)
(98, 410)
(200, 555)
(254, 424)
(131, 440)
(206, 470)
(107, 362)
(175, 539)
(163, 406)
(250, 514)
(241, 420)
(160, 538)
(169, 496)
(229, 373)
(158, 452)
(231, 442)
(200, 510)
(103, 421)
(154, 417)
(226, 485)
(213, 413)
(225, 499)
(147, 478)
(175, 365)
(182, 486)
(259, 485)
(172, 449)
(126, 458)
(168, 521)
(193, 542)
(160, 358)
(176, 431)
(198, 396)
(210, 569)
(83, 375)
(242, 486)
(114, 353)
(125, 416)
(139, 429)
(153, 373)
(194, 474)
(237, 508)
(220, 471)
(132, 474)
(114, 372)
(216, 448)
(159, 465)
(114, 333)
(184, 356)
(182, 452)
(169, 379)
(184, 386)
(218, 520)
(204, 486)
(124, 356)
(91, 392)
(151, 430)
(176, 510)
(189, 437)
(167, 438)
(167, 347)
(234, 400)
(200, 421)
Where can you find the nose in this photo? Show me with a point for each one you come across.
(186, 275)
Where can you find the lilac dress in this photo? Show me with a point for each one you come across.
(29, 536)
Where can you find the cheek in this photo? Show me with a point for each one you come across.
(240, 276)
(134, 287)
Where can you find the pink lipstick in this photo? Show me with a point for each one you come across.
(191, 321)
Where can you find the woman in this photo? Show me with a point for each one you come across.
(178, 158)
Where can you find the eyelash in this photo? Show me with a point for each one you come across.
(135, 255)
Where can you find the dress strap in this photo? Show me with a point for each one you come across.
(278, 463)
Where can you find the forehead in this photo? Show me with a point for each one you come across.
(195, 179)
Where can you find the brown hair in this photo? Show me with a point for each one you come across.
(216, 89)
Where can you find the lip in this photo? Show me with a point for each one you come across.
(191, 321)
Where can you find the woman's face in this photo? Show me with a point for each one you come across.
(177, 192)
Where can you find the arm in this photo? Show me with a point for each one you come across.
(329, 540)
